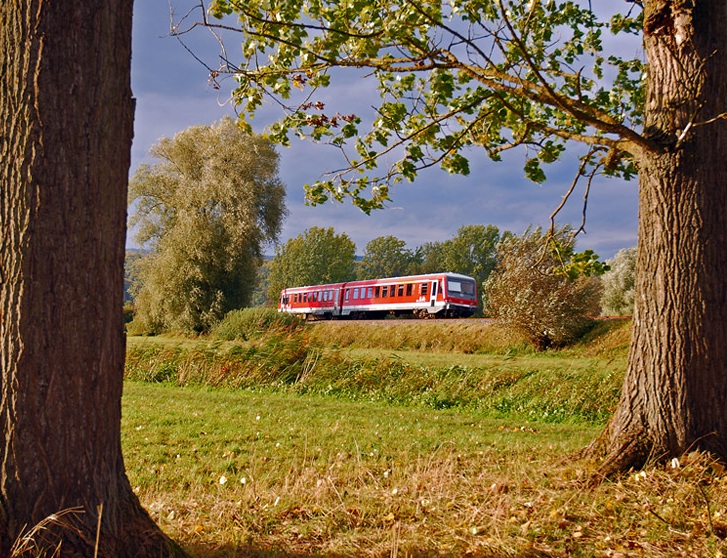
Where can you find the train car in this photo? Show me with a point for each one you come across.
(316, 301)
(431, 295)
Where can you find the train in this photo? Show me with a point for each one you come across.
(431, 295)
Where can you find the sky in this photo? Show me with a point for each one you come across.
(173, 92)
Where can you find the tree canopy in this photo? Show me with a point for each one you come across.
(206, 208)
(386, 256)
(314, 257)
(618, 284)
(528, 292)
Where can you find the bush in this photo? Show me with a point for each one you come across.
(252, 323)
(529, 292)
(618, 284)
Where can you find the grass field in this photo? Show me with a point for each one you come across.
(241, 450)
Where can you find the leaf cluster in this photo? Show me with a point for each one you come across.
(494, 74)
(619, 284)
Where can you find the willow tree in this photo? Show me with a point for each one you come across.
(206, 208)
(67, 113)
(498, 74)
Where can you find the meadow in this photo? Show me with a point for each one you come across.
(418, 439)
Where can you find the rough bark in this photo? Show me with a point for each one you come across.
(675, 392)
(67, 122)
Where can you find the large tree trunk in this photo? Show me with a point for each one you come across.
(675, 392)
(67, 119)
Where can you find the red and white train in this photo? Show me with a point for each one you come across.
(432, 295)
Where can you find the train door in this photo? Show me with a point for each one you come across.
(337, 302)
(284, 305)
(433, 294)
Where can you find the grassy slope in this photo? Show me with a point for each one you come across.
(294, 470)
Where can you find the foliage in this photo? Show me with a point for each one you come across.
(314, 257)
(132, 258)
(529, 291)
(206, 208)
(260, 294)
(386, 256)
(488, 73)
(618, 284)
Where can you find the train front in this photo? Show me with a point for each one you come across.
(460, 295)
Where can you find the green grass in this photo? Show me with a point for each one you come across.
(254, 469)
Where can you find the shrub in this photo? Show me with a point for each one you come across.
(618, 284)
(529, 292)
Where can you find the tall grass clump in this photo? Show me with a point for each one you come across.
(254, 323)
(467, 337)
(271, 362)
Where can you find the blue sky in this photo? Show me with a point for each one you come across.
(173, 92)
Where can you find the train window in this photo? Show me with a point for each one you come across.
(305, 297)
(384, 291)
(330, 294)
(377, 291)
(434, 289)
(355, 293)
(425, 289)
(370, 292)
(401, 290)
(409, 287)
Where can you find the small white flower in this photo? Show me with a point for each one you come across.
(223, 479)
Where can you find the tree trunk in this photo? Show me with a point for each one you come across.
(675, 392)
(67, 123)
